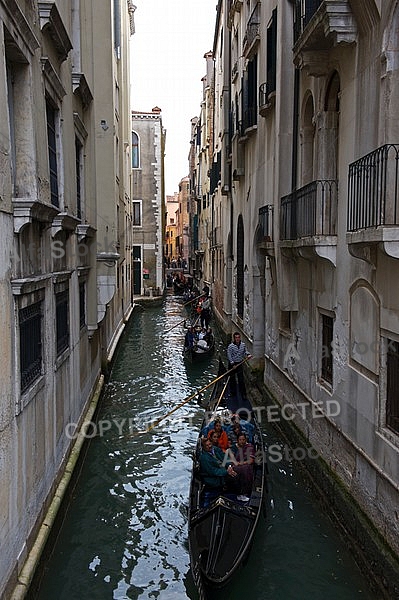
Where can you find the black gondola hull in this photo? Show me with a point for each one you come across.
(221, 528)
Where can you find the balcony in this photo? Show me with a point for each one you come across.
(373, 203)
(252, 33)
(265, 229)
(319, 26)
(249, 123)
(308, 220)
(267, 98)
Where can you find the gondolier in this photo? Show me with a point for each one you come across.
(236, 353)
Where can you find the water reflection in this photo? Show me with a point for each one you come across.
(125, 533)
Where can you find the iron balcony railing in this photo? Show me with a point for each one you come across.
(249, 119)
(304, 11)
(309, 211)
(265, 89)
(253, 29)
(373, 189)
(266, 222)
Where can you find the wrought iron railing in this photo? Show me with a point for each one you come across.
(249, 118)
(265, 89)
(309, 211)
(304, 11)
(373, 189)
(253, 28)
(266, 222)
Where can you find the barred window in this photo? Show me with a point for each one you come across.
(392, 407)
(78, 164)
(82, 304)
(51, 114)
(30, 341)
(62, 321)
(327, 357)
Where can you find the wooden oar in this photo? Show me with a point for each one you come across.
(193, 300)
(220, 397)
(177, 324)
(196, 321)
(188, 399)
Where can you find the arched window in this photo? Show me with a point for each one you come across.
(240, 267)
(135, 151)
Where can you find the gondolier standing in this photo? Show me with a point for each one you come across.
(236, 353)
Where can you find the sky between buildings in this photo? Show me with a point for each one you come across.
(167, 56)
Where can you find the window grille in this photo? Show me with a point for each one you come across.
(30, 341)
(327, 357)
(52, 153)
(78, 162)
(392, 406)
(62, 321)
(82, 304)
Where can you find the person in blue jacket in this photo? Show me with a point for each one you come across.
(215, 471)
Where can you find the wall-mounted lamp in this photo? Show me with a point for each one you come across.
(104, 124)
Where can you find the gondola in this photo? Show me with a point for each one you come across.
(220, 526)
(200, 351)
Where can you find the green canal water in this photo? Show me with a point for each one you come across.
(124, 533)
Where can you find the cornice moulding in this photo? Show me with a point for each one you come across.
(51, 22)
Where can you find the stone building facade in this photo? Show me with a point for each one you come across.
(65, 226)
(171, 208)
(305, 146)
(202, 240)
(148, 196)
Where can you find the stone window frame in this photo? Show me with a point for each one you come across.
(140, 203)
(136, 154)
(54, 94)
(325, 383)
(61, 283)
(386, 432)
(26, 292)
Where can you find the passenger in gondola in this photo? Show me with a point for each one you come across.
(244, 465)
(223, 441)
(202, 334)
(233, 434)
(215, 472)
(213, 436)
(202, 346)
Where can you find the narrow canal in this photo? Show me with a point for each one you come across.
(124, 535)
